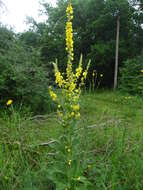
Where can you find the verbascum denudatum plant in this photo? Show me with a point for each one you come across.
(67, 171)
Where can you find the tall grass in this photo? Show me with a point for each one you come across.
(112, 143)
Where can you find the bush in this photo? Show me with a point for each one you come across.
(23, 77)
(131, 79)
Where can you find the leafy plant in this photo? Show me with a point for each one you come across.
(131, 79)
(23, 77)
(68, 168)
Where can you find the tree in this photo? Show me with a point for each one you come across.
(94, 34)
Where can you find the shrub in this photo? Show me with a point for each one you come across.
(23, 77)
(131, 79)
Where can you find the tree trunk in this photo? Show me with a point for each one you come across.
(117, 52)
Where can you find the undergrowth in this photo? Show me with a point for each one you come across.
(113, 143)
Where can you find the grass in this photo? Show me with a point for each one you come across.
(115, 144)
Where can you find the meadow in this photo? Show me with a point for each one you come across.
(111, 125)
(60, 129)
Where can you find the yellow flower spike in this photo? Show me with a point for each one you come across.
(69, 34)
(101, 75)
(69, 82)
(9, 102)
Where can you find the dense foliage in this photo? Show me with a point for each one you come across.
(23, 77)
(95, 33)
(131, 79)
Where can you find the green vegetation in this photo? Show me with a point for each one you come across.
(114, 144)
(131, 79)
(25, 58)
(93, 141)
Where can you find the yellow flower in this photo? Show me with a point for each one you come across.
(72, 86)
(9, 102)
(69, 9)
(84, 74)
(78, 179)
(75, 107)
(72, 113)
(78, 71)
(52, 94)
(69, 150)
(69, 32)
(76, 90)
(69, 82)
(89, 166)
(142, 71)
(59, 78)
(69, 162)
(101, 75)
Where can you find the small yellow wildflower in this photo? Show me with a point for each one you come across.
(72, 86)
(9, 102)
(69, 150)
(78, 71)
(89, 166)
(84, 74)
(52, 94)
(75, 107)
(76, 90)
(69, 162)
(101, 75)
(78, 179)
(72, 113)
(141, 70)
(59, 106)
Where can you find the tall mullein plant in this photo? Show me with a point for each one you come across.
(67, 164)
